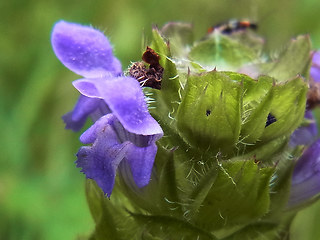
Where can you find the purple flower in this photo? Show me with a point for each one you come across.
(315, 67)
(124, 133)
(306, 176)
(305, 135)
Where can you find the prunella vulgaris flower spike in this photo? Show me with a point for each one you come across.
(238, 154)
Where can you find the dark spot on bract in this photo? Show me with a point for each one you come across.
(270, 119)
(208, 112)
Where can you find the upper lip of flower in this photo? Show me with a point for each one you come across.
(84, 50)
(87, 52)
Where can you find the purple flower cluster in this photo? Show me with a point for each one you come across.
(306, 175)
(123, 133)
(305, 135)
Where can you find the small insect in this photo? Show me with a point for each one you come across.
(270, 119)
(148, 77)
(233, 26)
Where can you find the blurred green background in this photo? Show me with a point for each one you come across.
(41, 190)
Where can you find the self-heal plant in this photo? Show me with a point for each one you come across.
(124, 133)
(238, 155)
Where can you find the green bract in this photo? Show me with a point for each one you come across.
(222, 170)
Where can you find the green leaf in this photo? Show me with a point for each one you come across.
(280, 190)
(292, 62)
(160, 227)
(201, 191)
(210, 112)
(93, 195)
(255, 119)
(257, 100)
(265, 152)
(254, 90)
(239, 196)
(258, 231)
(168, 189)
(222, 52)
(105, 225)
(112, 221)
(148, 236)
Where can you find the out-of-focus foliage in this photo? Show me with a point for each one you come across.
(41, 191)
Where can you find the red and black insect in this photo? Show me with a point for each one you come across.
(233, 26)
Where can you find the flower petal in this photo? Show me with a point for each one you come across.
(84, 50)
(315, 67)
(125, 99)
(316, 58)
(91, 134)
(315, 73)
(305, 135)
(306, 176)
(87, 87)
(100, 162)
(141, 161)
(84, 107)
